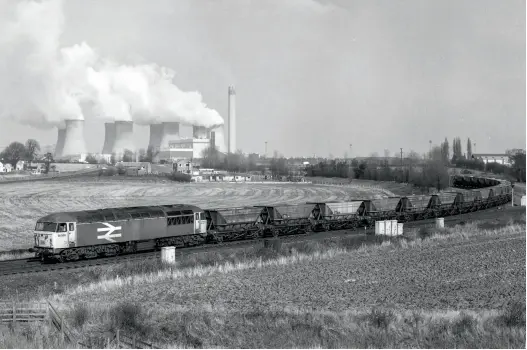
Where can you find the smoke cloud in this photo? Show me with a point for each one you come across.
(43, 84)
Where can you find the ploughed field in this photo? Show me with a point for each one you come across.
(21, 204)
(481, 272)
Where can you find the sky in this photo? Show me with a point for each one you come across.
(314, 76)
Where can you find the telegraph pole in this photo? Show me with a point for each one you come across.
(265, 155)
(401, 158)
(430, 149)
(349, 166)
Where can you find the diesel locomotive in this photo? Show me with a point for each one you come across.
(70, 236)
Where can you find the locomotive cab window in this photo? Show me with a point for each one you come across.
(46, 226)
(72, 227)
(62, 228)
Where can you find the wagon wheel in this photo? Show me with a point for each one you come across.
(69, 255)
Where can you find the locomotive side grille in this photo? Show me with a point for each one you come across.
(180, 220)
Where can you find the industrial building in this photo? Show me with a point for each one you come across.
(493, 158)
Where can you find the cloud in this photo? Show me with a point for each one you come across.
(43, 84)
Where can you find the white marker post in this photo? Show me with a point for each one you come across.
(109, 232)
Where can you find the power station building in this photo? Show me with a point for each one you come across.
(188, 148)
(165, 138)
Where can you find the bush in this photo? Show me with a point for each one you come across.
(513, 315)
(380, 318)
(109, 171)
(80, 315)
(179, 177)
(464, 324)
(425, 232)
(126, 316)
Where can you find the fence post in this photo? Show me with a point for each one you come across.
(133, 342)
(117, 338)
(14, 312)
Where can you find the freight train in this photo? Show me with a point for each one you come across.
(71, 236)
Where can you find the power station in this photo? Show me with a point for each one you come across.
(165, 138)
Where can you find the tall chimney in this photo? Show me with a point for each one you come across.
(213, 139)
(156, 134)
(59, 147)
(109, 138)
(124, 133)
(74, 143)
(170, 133)
(232, 121)
(199, 132)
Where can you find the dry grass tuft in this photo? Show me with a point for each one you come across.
(288, 328)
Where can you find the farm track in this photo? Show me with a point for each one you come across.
(23, 266)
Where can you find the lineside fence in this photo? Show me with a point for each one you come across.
(21, 312)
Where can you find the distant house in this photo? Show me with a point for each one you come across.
(196, 178)
(493, 158)
(8, 167)
(2, 168)
(137, 168)
(20, 165)
(184, 166)
(242, 178)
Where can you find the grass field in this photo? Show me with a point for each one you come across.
(459, 287)
(21, 204)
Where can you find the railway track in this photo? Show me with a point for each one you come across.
(32, 265)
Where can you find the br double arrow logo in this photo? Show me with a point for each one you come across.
(109, 229)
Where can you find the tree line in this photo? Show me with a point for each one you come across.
(239, 163)
(17, 151)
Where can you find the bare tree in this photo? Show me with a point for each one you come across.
(48, 159)
(469, 149)
(128, 156)
(32, 149)
(413, 157)
(13, 153)
(445, 152)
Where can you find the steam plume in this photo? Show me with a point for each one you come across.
(42, 84)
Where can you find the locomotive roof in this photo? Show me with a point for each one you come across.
(89, 215)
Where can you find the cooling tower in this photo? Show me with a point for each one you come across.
(124, 133)
(74, 138)
(109, 138)
(200, 132)
(169, 133)
(59, 147)
(232, 121)
(156, 134)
